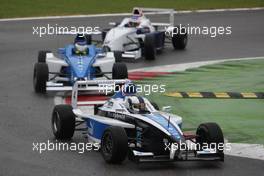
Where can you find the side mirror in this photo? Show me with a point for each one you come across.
(61, 51)
(166, 109)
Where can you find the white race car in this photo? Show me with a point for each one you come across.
(128, 125)
(136, 36)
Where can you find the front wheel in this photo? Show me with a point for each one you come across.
(150, 47)
(180, 38)
(210, 134)
(114, 145)
(63, 122)
(119, 71)
(40, 77)
(42, 56)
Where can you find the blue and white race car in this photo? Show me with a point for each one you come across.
(128, 125)
(78, 61)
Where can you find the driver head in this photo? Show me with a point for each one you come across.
(136, 17)
(137, 12)
(80, 43)
(135, 104)
(129, 89)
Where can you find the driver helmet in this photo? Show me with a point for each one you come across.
(80, 44)
(137, 12)
(135, 19)
(129, 89)
(135, 104)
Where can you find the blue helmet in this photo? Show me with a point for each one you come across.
(129, 89)
(80, 43)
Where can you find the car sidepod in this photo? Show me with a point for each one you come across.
(168, 124)
(95, 129)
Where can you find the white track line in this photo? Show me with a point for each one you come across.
(253, 151)
(126, 14)
(185, 66)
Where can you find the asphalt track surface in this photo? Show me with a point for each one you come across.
(25, 116)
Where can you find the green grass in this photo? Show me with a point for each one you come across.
(242, 120)
(27, 8)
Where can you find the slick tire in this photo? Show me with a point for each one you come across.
(114, 145)
(63, 122)
(210, 134)
(150, 47)
(40, 77)
(179, 39)
(119, 71)
(42, 56)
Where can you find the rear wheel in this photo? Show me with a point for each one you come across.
(63, 122)
(119, 71)
(210, 134)
(40, 77)
(114, 145)
(149, 47)
(180, 38)
(42, 56)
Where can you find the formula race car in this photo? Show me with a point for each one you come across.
(128, 125)
(136, 36)
(78, 61)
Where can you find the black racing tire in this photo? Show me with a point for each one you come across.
(63, 122)
(40, 77)
(210, 133)
(119, 71)
(155, 105)
(160, 42)
(114, 145)
(179, 39)
(42, 56)
(118, 56)
(104, 32)
(150, 47)
(88, 38)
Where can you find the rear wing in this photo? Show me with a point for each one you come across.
(103, 86)
(160, 11)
